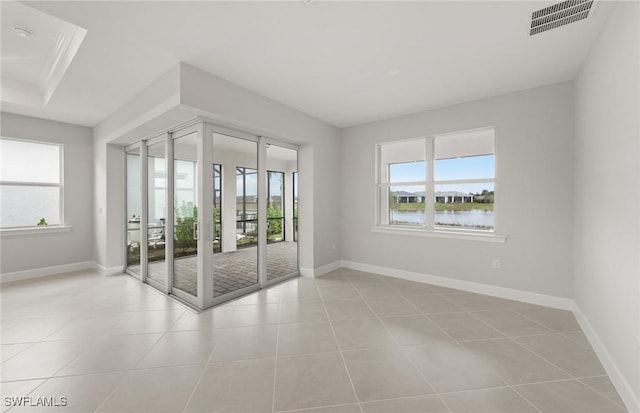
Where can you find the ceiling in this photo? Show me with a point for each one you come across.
(33, 64)
(346, 63)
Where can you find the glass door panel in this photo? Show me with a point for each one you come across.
(235, 214)
(275, 206)
(295, 206)
(282, 246)
(185, 220)
(156, 212)
(134, 210)
(217, 208)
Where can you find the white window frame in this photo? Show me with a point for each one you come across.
(33, 229)
(429, 229)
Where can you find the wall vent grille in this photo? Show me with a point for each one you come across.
(558, 15)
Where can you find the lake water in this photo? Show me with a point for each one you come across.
(469, 219)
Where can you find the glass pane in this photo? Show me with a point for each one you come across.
(467, 206)
(246, 206)
(472, 167)
(185, 244)
(295, 206)
(235, 259)
(275, 210)
(217, 207)
(156, 212)
(134, 211)
(407, 155)
(29, 206)
(29, 161)
(408, 172)
(282, 248)
(406, 205)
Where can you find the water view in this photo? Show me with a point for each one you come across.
(473, 218)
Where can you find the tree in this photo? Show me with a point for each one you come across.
(274, 225)
(184, 231)
(216, 218)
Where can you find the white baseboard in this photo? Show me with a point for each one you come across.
(492, 290)
(617, 378)
(45, 271)
(320, 271)
(102, 270)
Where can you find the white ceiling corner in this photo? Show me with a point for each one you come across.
(32, 68)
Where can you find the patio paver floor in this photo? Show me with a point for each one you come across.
(231, 270)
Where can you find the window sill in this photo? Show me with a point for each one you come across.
(468, 235)
(14, 232)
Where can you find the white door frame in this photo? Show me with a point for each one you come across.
(210, 129)
(265, 143)
(155, 284)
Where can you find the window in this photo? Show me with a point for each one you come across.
(31, 184)
(439, 182)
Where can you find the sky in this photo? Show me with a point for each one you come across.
(252, 183)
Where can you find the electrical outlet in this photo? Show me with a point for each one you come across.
(497, 264)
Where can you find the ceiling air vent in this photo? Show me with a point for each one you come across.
(560, 14)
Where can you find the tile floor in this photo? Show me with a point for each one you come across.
(346, 342)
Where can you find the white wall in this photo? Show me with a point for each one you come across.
(534, 197)
(607, 192)
(108, 208)
(34, 252)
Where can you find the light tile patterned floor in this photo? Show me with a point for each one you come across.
(232, 270)
(348, 342)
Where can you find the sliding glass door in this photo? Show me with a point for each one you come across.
(282, 245)
(186, 252)
(156, 213)
(234, 212)
(211, 213)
